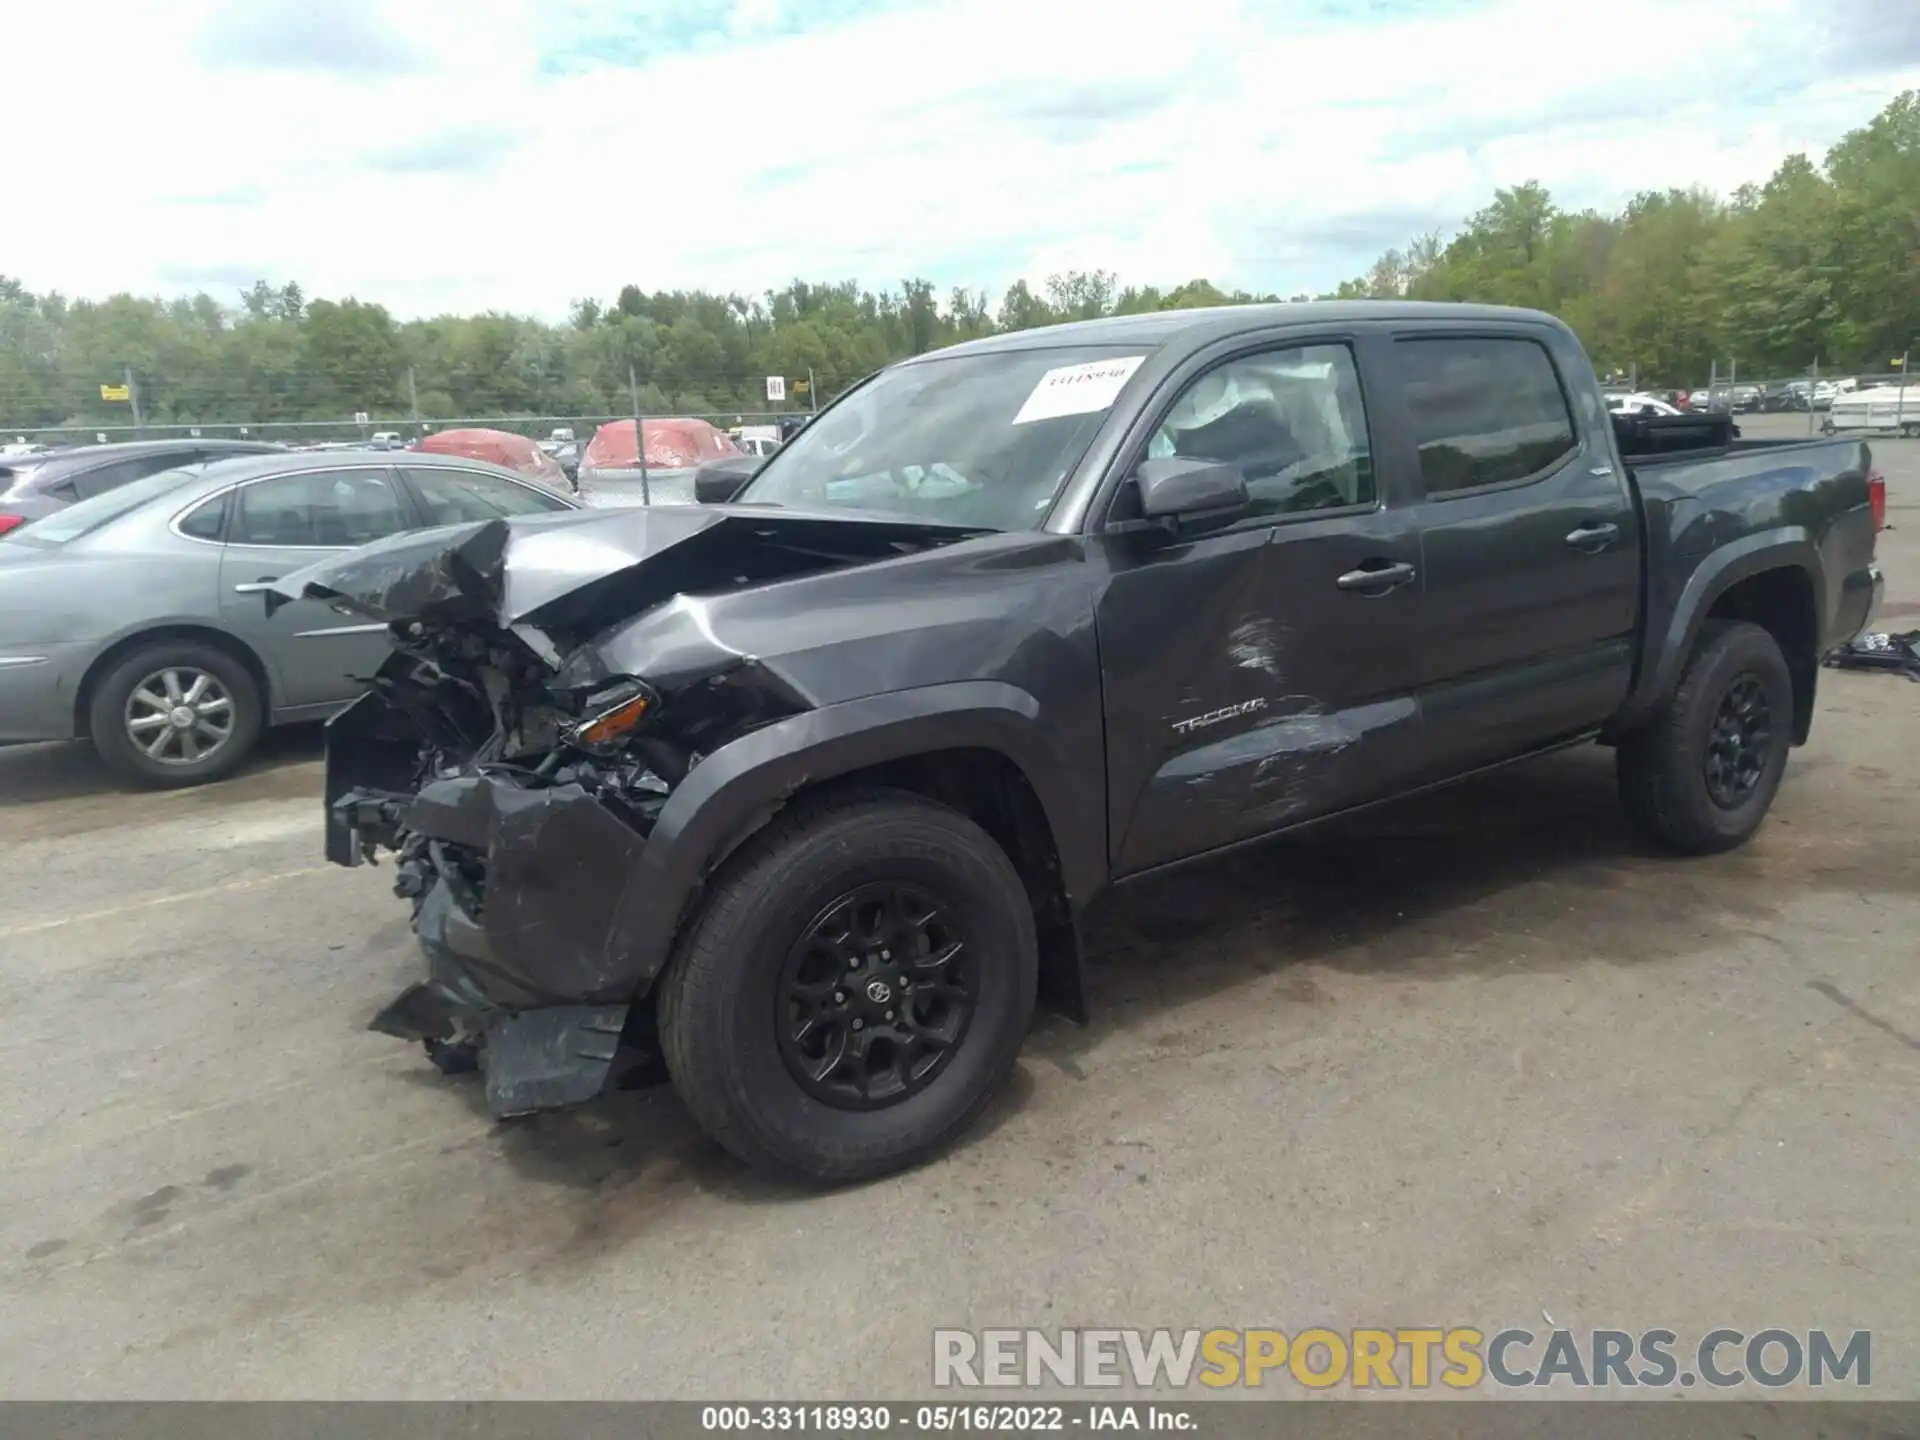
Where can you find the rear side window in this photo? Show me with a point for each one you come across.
(207, 521)
(1485, 411)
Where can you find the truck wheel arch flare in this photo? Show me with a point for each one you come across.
(737, 788)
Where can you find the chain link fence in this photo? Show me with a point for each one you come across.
(357, 434)
(1886, 401)
(1892, 407)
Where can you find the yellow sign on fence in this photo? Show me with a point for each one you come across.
(115, 392)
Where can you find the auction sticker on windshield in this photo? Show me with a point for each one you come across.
(1078, 389)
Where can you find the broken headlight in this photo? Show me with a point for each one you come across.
(612, 715)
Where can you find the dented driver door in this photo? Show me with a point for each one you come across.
(1263, 674)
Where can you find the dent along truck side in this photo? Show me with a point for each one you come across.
(808, 789)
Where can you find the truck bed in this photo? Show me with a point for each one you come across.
(1709, 502)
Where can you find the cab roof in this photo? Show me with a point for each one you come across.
(1194, 328)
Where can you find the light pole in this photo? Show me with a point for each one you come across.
(1900, 392)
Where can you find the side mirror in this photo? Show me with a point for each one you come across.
(1176, 487)
(718, 481)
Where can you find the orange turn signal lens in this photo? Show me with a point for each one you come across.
(612, 726)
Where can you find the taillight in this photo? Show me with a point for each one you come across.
(1876, 499)
(11, 522)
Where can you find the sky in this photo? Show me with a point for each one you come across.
(464, 155)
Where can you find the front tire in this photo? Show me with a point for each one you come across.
(1702, 775)
(783, 1018)
(174, 713)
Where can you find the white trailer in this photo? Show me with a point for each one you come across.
(1893, 408)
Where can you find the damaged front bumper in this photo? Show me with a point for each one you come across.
(534, 1060)
(524, 837)
(518, 903)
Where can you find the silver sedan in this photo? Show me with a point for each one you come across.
(138, 618)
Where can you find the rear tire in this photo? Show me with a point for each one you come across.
(1702, 775)
(782, 971)
(135, 706)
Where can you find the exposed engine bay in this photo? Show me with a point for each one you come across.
(517, 749)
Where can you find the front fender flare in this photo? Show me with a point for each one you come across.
(1789, 547)
(733, 791)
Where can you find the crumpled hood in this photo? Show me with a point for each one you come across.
(581, 571)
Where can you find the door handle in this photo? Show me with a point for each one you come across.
(1377, 577)
(256, 587)
(1592, 539)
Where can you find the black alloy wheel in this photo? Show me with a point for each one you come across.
(874, 996)
(854, 987)
(1739, 744)
(1701, 774)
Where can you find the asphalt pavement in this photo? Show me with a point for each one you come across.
(1478, 1060)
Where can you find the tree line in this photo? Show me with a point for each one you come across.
(1819, 265)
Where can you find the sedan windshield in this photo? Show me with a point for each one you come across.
(984, 440)
(86, 516)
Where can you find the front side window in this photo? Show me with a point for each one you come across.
(982, 440)
(1486, 411)
(331, 508)
(1292, 420)
(451, 497)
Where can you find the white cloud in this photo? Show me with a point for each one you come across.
(464, 154)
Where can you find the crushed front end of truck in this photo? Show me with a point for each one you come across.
(516, 778)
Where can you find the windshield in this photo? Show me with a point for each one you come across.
(86, 516)
(983, 440)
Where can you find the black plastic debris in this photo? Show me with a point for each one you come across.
(1898, 653)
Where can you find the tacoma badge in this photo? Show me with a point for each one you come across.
(1214, 717)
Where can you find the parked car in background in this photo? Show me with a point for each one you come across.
(502, 448)
(1784, 395)
(1744, 398)
(566, 454)
(759, 441)
(35, 485)
(1641, 403)
(675, 448)
(137, 617)
(386, 440)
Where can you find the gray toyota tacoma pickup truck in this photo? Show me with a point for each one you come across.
(803, 790)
